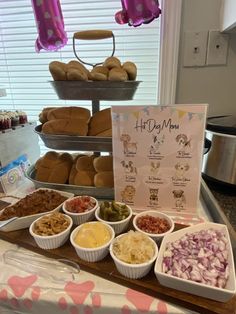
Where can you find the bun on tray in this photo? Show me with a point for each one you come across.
(69, 113)
(54, 167)
(112, 62)
(58, 70)
(43, 114)
(100, 122)
(117, 74)
(103, 163)
(104, 168)
(99, 73)
(131, 70)
(75, 127)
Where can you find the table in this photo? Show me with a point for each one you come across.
(27, 292)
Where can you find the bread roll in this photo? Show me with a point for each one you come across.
(54, 167)
(76, 75)
(84, 178)
(104, 179)
(100, 122)
(69, 113)
(85, 163)
(66, 126)
(43, 114)
(103, 163)
(58, 70)
(73, 170)
(74, 64)
(117, 74)
(99, 73)
(112, 62)
(106, 133)
(131, 70)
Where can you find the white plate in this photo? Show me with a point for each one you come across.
(25, 222)
(203, 290)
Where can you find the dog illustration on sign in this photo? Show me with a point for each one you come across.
(180, 171)
(184, 143)
(128, 146)
(129, 167)
(128, 194)
(179, 198)
(155, 167)
(153, 197)
(157, 142)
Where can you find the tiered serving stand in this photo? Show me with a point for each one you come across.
(85, 90)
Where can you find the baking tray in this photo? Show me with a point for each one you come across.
(80, 143)
(95, 90)
(106, 269)
(99, 193)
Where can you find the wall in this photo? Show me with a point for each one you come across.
(215, 85)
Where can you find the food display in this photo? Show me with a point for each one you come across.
(54, 167)
(151, 224)
(133, 248)
(39, 201)
(81, 169)
(200, 256)
(51, 224)
(76, 121)
(113, 211)
(80, 204)
(111, 70)
(92, 235)
(10, 119)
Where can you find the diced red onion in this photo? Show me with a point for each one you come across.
(201, 256)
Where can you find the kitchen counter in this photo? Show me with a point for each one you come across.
(225, 197)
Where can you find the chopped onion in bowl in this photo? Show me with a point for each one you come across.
(201, 257)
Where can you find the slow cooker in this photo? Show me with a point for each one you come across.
(219, 163)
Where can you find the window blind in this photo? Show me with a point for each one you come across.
(24, 73)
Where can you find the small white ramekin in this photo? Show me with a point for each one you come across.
(92, 254)
(133, 271)
(53, 241)
(118, 226)
(157, 237)
(80, 218)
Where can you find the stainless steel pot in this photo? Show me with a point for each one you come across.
(219, 162)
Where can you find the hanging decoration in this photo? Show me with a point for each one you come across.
(50, 25)
(137, 12)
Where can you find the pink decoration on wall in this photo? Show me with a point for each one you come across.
(137, 12)
(79, 291)
(88, 310)
(20, 284)
(141, 301)
(162, 308)
(50, 25)
(15, 303)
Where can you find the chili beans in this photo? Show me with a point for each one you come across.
(152, 224)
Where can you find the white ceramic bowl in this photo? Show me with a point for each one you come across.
(53, 241)
(200, 289)
(118, 226)
(79, 218)
(157, 237)
(91, 254)
(133, 271)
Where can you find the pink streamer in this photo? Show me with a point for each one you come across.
(50, 25)
(137, 12)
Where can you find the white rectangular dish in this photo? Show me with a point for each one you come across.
(189, 286)
(25, 222)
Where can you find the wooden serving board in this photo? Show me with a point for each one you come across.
(106, 269)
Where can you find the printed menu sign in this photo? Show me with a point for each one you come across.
(157, 153)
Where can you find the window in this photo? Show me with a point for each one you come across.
(25, 73)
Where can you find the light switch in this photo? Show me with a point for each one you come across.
(217, 49)
(195, 47)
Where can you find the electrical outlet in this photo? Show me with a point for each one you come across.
(195, 46)
(217, 49)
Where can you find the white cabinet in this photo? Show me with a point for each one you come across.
(228, 16)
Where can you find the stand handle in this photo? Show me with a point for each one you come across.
(93, 35)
